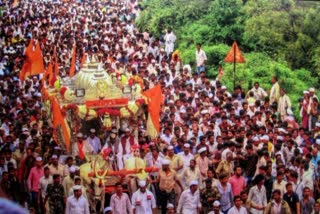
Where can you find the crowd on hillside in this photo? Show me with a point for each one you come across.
(219, 150)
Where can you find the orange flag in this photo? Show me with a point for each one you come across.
(49, 73)
(73, 62)
(61, 128)
(234, 55)
(15, 4)
(154, 99)
(33, 64)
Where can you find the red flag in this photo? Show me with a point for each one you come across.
(234, 55)
(33, 63)
(73, 62)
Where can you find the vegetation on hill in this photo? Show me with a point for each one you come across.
(277, 37)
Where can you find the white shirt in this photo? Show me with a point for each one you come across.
(120, 205)
(258, 197)
(186, 159)
(147, 202)
(95, 143)
(43, 184)
(77, 206)
(189, 203)
(234, 210)
(200, 57)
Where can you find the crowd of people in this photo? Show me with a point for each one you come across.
(218, 150)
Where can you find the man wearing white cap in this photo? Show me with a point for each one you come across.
(107, 210)
(143, 201)
(203, 162)
(170, 208)
(81, 148)
(186, 156)
(94, 141)
(189, 202)
(175, 161)
(68, 182)
(216, 208)
(55, 167)
(77, 203)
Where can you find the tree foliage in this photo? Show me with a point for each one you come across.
(278, 37)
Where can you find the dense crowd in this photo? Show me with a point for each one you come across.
(218, 151)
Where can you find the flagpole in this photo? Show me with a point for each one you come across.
(234, 67)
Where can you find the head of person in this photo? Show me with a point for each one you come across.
(216, 207)
(119, 188)
(46, 171)
(170, 208)
(259, 180)
(56, 178)
(165, 165)
(306, 192)
(244, 195)
(276, 195)
(237, 201)
(107, 210)
(192, 163)
(289, 187)
(142, 185)
(208, 182)
(238, 171)
(193, 186)
(38, 162)
(223, 178)
(77, 191)
(77, 181)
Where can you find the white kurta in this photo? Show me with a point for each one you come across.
(77, 206)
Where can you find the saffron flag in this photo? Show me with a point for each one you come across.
(73, 62)
(61, 129)
(49, 73)
(234, 55)
(154, 99)
(15, 4)
(33, 63)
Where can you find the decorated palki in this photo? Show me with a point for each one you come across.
(92, 93)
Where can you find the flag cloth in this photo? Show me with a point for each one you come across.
(49, 73)
(61, 129)
(154, 99)
(15, 4)
(73, 62)
(33, 63)
(234, 55)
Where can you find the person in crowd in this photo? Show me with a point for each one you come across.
(120, 201)
(277, 204)
(143, 200)
(77, 204)
(189, 201)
